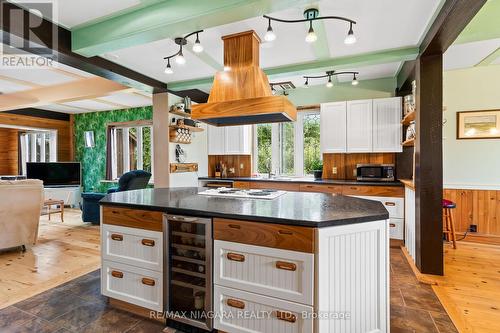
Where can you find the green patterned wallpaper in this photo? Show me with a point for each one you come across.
(94, 159)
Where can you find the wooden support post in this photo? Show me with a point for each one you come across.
(161, 160)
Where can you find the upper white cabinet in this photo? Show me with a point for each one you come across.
(387, 128)
(231, 140)
(359, 126)
(333, 127)
(362, 126)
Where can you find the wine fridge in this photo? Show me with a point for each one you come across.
(189, 266)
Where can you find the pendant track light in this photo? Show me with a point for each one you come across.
(310, 15)
(329, 74)
(179, 56)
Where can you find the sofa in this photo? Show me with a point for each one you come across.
(132, 180)
(21, 203)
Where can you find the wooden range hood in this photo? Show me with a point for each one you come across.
(241, 93)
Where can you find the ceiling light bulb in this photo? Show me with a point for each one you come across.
(350, 38)
(180, 59)
(197, 47)
(311, 35)
(329, 84)
(355, 81)
(306, 85)
(168, 69)
(270, 35)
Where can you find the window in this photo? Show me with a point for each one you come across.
(131, 148)
(288, 149)
(37, 146)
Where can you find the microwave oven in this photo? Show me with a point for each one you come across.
(375, 172)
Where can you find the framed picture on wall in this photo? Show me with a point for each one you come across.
(478, 124)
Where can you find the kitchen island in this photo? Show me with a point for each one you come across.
(303, 262)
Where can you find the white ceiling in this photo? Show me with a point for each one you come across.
(382, 24)
(466, 55)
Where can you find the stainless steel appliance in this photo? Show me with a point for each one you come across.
(188, 253)
(375, 172)
(241, 193)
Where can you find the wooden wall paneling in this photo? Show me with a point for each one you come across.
(232, 161)
(346, 163)
(62, 127)
(334, 160)
(8, 151)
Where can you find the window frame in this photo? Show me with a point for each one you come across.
(29, 147)
(276, 146)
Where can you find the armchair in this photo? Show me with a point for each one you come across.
(20, 209)
(132, 180)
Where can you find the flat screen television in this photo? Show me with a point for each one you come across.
(55, 173)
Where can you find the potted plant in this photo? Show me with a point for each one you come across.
(317, 167)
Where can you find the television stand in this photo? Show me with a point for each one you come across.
(69, 194)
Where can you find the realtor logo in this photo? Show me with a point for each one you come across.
(29, 37)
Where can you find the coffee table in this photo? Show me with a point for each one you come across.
(51, 202)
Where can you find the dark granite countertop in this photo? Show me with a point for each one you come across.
(293, 208)
(306, 180)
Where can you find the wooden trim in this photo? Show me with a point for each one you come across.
(133, 218)
(379, 191)
(137, 310)
(133, 123)
(408, 183)
(420, 277)
(312, 107)
(278, 236)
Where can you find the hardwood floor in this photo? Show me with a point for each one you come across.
(470, 288)
(64, 251)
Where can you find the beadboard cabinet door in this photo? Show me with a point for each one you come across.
(333, 127)
(387, 128)
(216, 140)
(359, 126)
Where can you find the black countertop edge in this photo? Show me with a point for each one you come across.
(306, 181)
(193, 212)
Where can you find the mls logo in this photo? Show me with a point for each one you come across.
(29, 37)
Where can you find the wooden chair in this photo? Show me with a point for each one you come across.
(448, 223)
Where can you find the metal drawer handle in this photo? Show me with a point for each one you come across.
(287, 266)
(117, 274)
(234, 226)
(353, 188)
(286, 316)
(148, 282)
(392, 225)
(390, 203)
(148, 242)
(182, 218)
(235, 257)
(117, 237)
(235, 303)
(285, 232)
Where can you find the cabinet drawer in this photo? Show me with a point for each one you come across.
(265, 234)
(133, 218)
(243, 185)
(321, 188)
(396, 228)
(276, 316)
(395, 206)
(278, 273)
(379, 191)
(137, 247)
(132, 285)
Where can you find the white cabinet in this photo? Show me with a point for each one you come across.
(362, 126)
(410, 232)
(359, 126)
(216, 140)
(333, 126)
(231, 140)
(387, 128)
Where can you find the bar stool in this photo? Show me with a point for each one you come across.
(449, 224)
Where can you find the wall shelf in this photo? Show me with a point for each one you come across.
(190, 128)
(180, 113)
(409, 143)
(408, 118)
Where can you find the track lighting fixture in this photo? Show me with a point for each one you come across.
(270, 35)
(179, 56)
(329, 75)
(310, 15)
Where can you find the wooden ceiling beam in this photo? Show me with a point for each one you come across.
(88, 88)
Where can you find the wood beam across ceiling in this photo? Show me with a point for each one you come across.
(88, 88)
(62, 50)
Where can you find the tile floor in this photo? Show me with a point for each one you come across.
(77, 306)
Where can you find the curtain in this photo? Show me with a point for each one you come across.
(109, 152)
